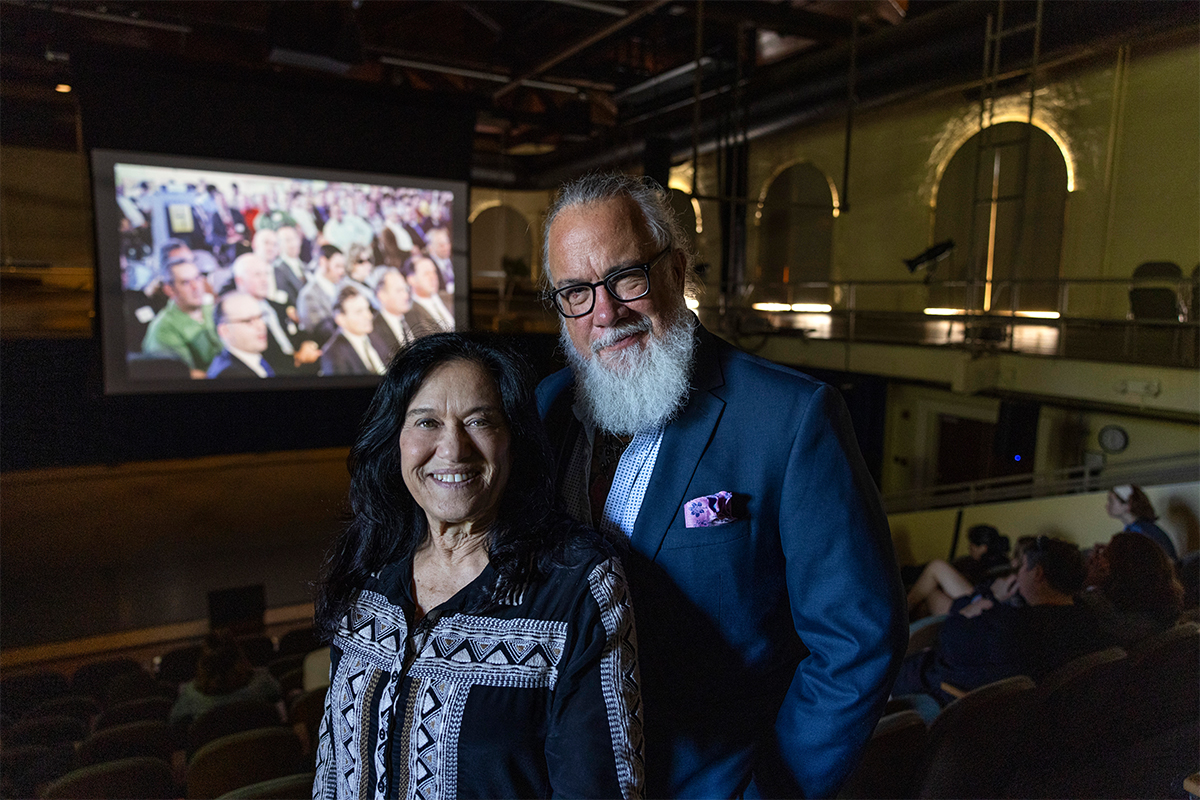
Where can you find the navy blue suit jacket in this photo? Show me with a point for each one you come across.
(768, 645)
(225, 365)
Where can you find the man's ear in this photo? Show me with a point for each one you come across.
(678, 268)
(168, 290)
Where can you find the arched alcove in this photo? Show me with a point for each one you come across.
(794, 220)
(501, 259)
(1005, 213)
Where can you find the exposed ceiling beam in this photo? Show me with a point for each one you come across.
(580, 46)
(780, 18)
(601, 8)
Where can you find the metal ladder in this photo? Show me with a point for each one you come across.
(989, 145)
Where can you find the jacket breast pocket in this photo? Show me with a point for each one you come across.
(681, 537)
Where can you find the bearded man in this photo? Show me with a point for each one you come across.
(770, 613)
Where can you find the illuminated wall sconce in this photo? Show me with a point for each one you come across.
(63, 88)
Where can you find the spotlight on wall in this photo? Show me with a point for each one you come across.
(928, 260)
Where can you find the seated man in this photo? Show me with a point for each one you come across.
(350, 351)
(316, 298)
(184, 328)
(390, 331)
(430, 312)
(986, 640)
(243, 331)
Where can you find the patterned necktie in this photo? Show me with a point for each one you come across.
(606, 455)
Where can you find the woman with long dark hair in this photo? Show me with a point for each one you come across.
(482, 642)
(1133, 587)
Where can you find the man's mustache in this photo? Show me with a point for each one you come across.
(614, 335)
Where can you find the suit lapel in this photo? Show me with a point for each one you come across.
(683, 443)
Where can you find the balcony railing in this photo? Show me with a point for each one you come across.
(1076, 319)
(1179, 468)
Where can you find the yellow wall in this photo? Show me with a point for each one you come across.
(45, 208)
(924, 535)
(530, 205)
(1131, 126)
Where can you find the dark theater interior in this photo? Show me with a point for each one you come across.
(978, 220)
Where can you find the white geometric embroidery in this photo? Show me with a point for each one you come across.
(460, 652)
(493, 652)
(619, 679)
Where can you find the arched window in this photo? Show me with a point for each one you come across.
(501, 262)
(1005, 213)
(794, 219)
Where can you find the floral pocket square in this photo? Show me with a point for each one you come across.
(710, 510)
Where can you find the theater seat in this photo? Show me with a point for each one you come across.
(242, 715)
(127, 777)
(285, 788)
(241, 759)
(970, 743)
(146, 738)
(890, 759)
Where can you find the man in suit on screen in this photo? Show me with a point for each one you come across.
(243, 332)
(350, 351)
(770, 614)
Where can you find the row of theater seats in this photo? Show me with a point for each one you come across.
(107, 728)
(1109, 724)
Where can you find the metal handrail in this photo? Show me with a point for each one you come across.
(1178, 468)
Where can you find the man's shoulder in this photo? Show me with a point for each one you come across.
(552, 388)
(744, 372)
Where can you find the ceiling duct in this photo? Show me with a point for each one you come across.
(324, 36)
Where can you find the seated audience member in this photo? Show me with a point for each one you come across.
(986, 640)
(394, 239)
(345, 229)
(223, 675)
(1129, 504)
(184, 329)
(439, 251)
(941, 583)
(243, 331)
(350, 351)
(431, 310)
(316, 298)
(390, 332)
(289, 351)
(359, 264)
(1133, 588)
(290, 276)
(987, 549)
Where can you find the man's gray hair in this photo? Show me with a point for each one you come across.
(646, 193)
(382, 272)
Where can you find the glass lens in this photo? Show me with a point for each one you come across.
(575, 299)
(629, 285)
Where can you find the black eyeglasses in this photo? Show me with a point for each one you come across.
(625, 286)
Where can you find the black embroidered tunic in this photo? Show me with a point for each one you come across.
(529, 696)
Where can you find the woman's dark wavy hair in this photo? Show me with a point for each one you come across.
(1141, 578)
(387, 525)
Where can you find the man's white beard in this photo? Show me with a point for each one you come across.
(641, 386)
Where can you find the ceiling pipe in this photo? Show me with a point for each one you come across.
(820, 96)
(580, 46)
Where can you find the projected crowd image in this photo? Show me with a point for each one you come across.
(248, 276)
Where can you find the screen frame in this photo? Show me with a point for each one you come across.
(109, 300)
